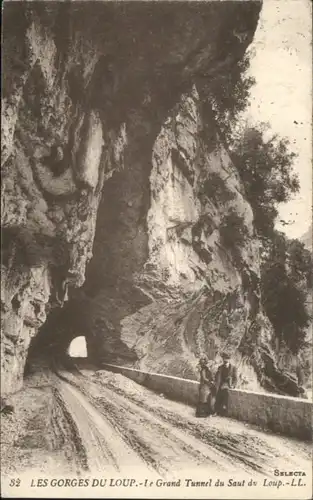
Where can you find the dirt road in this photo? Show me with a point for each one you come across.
(104, 447)
(122, 423)
(101, 422)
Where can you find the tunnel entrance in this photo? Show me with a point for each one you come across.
(78, 348)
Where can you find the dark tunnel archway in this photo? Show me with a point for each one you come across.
(53, 341)
(50, 347)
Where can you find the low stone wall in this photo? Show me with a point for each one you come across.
(280, 414)
(176, 388)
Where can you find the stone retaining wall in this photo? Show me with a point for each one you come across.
(280, 414)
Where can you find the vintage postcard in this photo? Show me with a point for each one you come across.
(156, 259)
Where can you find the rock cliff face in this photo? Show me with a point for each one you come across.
(123, 217)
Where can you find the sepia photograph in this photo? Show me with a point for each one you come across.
(156, 249)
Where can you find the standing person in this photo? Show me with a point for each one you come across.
(205, 389)
(225, 378)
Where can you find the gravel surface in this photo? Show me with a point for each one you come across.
(101, 421)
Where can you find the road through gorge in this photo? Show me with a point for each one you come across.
(101, 424)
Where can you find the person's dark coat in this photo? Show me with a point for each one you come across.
(226, 377)
(206, 388)
(206, 384)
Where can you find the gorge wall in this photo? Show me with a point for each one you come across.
(123, 216)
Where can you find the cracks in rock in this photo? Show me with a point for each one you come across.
(91, 82)
(179, 159)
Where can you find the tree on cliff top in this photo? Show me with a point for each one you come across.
(227, 94)
(230, 94)
(265, 166)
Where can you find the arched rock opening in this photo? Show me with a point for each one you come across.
(76, 319)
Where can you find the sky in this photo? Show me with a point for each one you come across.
(282, 66)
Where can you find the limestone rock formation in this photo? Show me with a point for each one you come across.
(123, 216)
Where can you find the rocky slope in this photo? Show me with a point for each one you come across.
(112, 160)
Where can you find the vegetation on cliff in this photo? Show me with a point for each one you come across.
(265, 165)
(286, 276)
